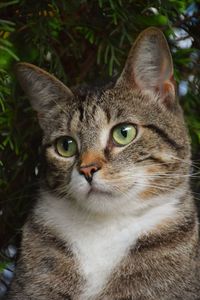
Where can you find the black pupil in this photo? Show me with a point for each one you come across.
(124, 132)
(66, 144)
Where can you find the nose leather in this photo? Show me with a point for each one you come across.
(88, 170)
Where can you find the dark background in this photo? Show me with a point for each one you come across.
(79, 41)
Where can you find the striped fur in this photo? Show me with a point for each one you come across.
(132, 233)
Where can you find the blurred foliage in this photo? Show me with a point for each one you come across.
(79, 41)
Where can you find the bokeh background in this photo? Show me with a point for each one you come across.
(79, 41)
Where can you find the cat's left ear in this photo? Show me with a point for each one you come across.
(149, 66)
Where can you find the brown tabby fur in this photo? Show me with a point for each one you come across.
(155, 270)
(164, 262)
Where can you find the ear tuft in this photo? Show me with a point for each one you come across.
(149, 64)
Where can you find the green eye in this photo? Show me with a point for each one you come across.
(123, 134)
(66, 146)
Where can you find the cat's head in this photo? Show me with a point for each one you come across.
(117, 148)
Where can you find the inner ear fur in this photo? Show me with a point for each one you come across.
(149, 65)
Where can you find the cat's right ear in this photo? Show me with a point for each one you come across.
(44, 90)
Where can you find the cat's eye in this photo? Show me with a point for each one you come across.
(123, 134)
(66, 146)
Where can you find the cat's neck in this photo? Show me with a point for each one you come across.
(101, 241)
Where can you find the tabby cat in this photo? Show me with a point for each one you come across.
(114, 218)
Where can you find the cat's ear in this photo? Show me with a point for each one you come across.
(43, 89)
(149, 65)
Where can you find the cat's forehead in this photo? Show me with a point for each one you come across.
(114, 104)
(93, 112)
(99, 108)
(88, 114)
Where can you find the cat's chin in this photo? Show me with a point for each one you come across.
(94, 191)
(99, 201)
(100, 197)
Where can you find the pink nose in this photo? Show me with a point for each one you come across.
(88, 170)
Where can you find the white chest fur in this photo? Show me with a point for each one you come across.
(100, 243)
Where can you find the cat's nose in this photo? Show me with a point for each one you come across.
(88, 171)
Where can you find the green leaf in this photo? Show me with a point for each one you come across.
(9, 52)
(6, 4)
